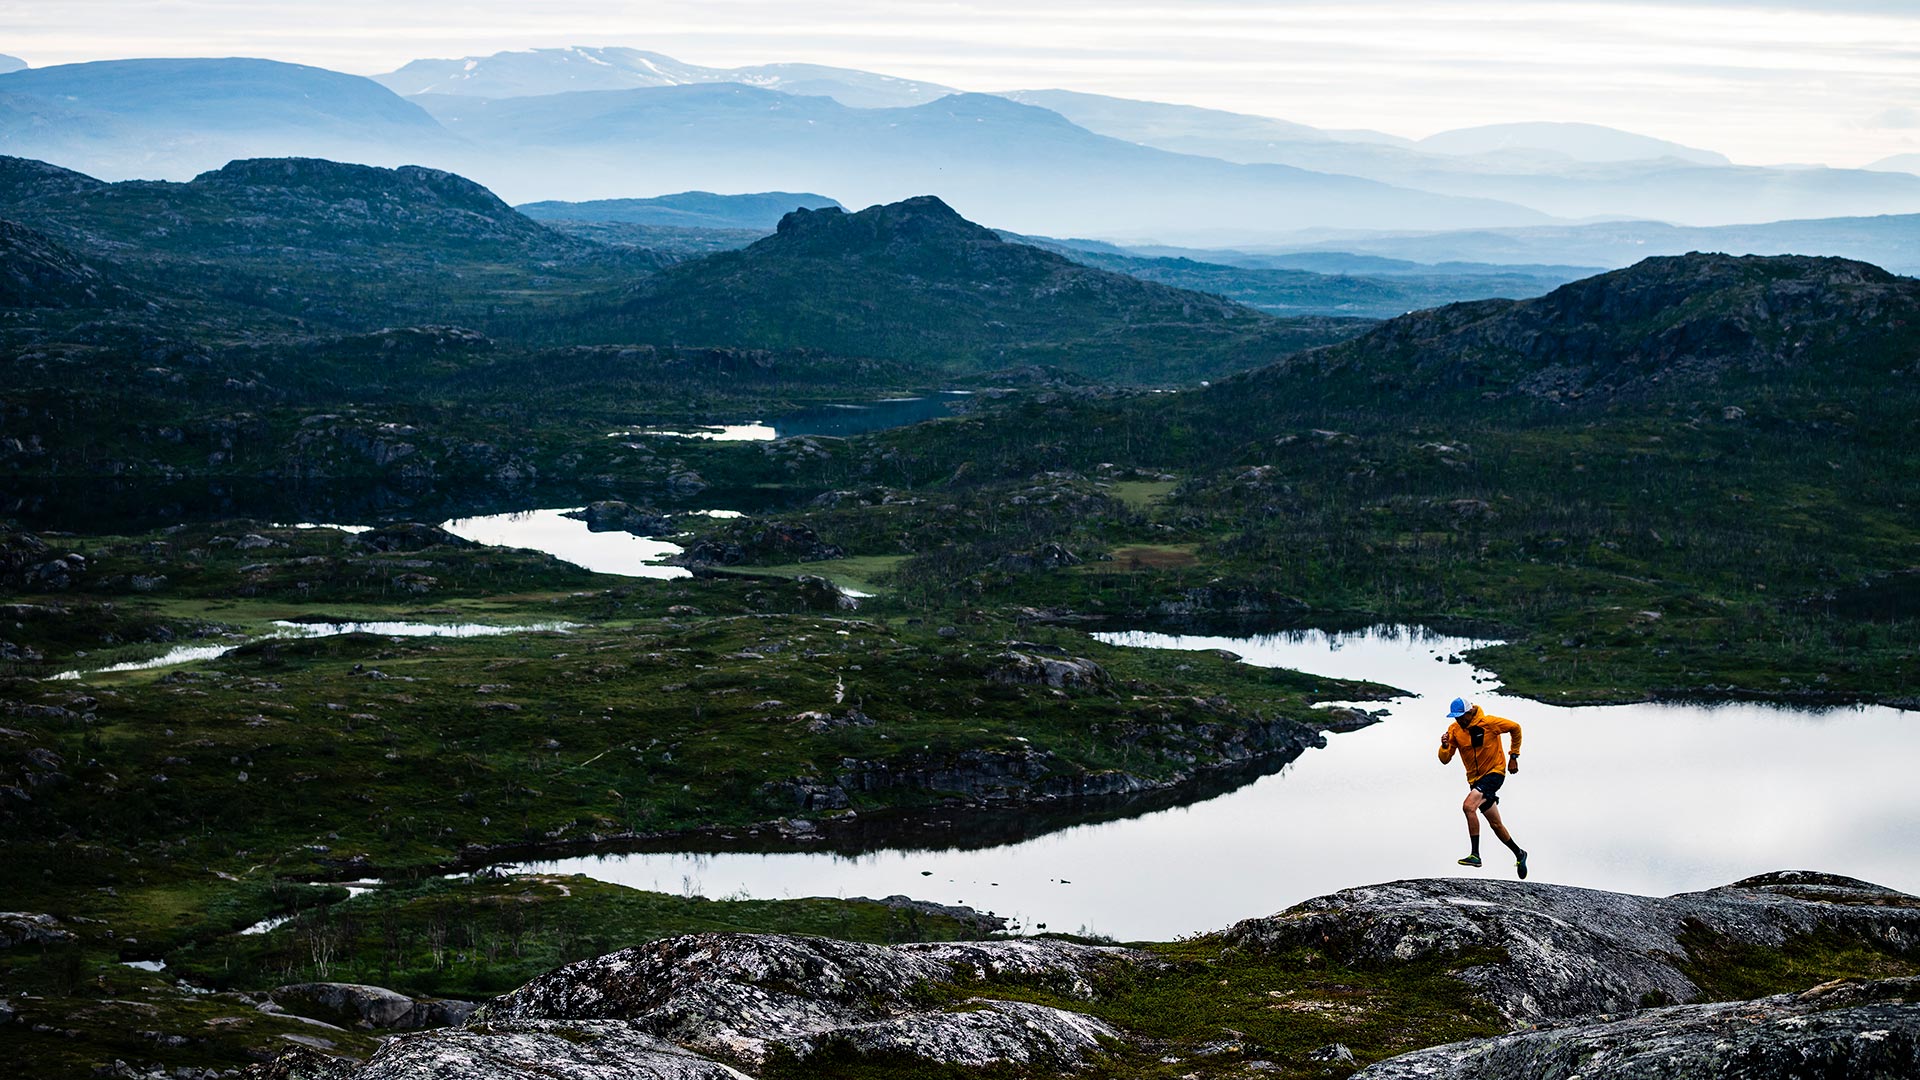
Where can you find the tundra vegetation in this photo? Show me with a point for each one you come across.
(1690, 478)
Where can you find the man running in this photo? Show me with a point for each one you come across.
(1476, 735)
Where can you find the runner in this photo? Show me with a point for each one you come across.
(1476, 735)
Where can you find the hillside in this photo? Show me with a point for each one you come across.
(916, 281)
(37, 272)
(348, 245)
(1664, 328)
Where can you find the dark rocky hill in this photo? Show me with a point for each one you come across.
(914, 280)
(37, 272)
(343, 245)
(287, 202)
(1664, 326)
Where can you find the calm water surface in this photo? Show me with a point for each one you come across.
(837, 420)
(1651, 799)
(187, 654)
(569, 539)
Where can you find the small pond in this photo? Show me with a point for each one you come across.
(569, 539)
(836, 420)
(1650, 798)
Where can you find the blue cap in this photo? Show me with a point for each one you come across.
(1457, 709)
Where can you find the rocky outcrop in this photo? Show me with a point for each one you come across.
(612, 515)
(1062, 672)
(352, 1005)
(1567, 952)
(700, 1006)
(771, 541)
(407, 536)
(709, 1006)
(1857, 1030)
(27, 928)
(535, 1050)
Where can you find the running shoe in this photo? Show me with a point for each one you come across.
(1521, 865)
(1474, 860)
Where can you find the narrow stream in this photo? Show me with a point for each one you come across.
(1649, 798)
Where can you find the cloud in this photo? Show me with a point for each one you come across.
(1760, 80)
(1899, 118)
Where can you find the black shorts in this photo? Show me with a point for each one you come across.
(1489, 786)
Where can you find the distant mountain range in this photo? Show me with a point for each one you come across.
(686, 210)
(173, 119)
(11, 63)
(610, 123)
(1891, 241)
(535, 72)
(1568, 170)
(1014, 165)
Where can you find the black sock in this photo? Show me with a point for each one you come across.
(1475, 837)
(1513, 847)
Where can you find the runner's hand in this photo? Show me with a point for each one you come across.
(1513, 763)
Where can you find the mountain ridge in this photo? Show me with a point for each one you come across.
(915, 280)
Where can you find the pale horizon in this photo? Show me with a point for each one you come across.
(1762, 82)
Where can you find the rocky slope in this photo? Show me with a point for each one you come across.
(1563, 952)
(1663, 326)
(1852, 1029)
(37, 272)
(727, 1005)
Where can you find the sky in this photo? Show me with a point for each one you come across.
(1763, 81)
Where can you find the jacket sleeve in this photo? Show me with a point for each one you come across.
(1446, 746)
(1503, 725)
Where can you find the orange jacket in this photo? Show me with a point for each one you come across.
(1477, 736)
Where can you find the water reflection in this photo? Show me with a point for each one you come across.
(570, 539)
(1652, 798)
(839, 419)
(187, 654)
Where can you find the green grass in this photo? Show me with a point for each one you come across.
(1143, 494)
(863, 573)
(477, 937)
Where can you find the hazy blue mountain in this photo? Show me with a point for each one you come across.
(1159, 124)
(534, 72)
(1568, 170)
(685, 210)
(1581, 142)
(1292, 291)
(996, 160)
(176, 118)
(1891, 241)
(1898, 163)
(11, 63)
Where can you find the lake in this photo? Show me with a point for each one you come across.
(1646, 798)
(569, 539)
(835, 420)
